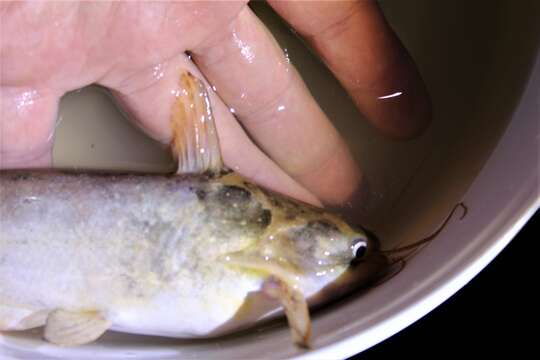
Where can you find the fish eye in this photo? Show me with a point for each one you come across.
(359, 249)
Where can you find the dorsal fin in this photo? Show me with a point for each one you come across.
(195, 142)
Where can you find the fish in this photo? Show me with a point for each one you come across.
(196, 254)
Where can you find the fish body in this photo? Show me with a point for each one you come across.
(195, 254)
(160, 255)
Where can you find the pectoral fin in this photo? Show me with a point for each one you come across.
(74, 328)
(195, 141)
(295, 306)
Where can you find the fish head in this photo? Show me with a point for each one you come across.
(323, 251)
(304, 256)
(310, 249)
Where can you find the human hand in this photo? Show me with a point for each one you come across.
(138, 50)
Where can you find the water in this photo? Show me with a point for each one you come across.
(473, 58)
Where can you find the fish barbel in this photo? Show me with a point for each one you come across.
(187, 255)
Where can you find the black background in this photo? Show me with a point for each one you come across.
(495, 314)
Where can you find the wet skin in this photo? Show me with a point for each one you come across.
(138, 49)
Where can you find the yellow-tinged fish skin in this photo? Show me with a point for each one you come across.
(159, 255)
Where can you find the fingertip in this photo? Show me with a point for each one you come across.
(364, 53)
(336, 179)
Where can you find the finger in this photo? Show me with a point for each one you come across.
(148, 96)
(366, 56)
(254, 78)
(27, 118)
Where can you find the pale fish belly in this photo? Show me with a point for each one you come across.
(142, 250)
(215, 309)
